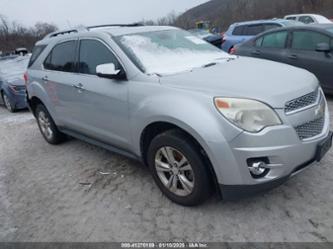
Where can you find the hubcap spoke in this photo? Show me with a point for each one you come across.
(185, 167)
(164, 167)
(168, 154)
(186, 184)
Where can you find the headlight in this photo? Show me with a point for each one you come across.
(249, 115)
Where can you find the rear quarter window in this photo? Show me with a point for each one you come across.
(36, 51)
(238, 30)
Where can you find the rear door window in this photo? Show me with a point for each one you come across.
(62, 57)
(275, 40)
(252, 30)
(308, 40)
(94, 53)
(269, 26)
(36, 51)
(306, 19)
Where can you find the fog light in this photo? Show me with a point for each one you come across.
(258, 167)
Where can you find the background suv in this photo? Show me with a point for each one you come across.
(178, 104)
(309, 18)
(244, 31)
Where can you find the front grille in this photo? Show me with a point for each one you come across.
(301, 102)
(310, 129)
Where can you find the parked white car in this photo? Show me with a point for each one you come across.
(308, 18)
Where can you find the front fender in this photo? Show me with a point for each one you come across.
(194, 113)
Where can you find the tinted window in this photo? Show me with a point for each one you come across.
(275, 40)
(238, 30)
(308, 40)
(94, 53)
(62, 57)
(291, 18)
(259, 42)
(253, 29)
(270, 26)
(306, 19)
(36, 51)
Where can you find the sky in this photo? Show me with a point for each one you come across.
(70, 13)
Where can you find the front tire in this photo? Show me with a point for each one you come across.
(47, 126)
(179, 169)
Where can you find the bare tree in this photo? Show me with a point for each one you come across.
(13, 34)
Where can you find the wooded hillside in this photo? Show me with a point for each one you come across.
(224, 12)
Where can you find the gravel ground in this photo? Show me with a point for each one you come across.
(78, 192)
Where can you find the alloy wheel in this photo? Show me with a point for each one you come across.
(174, 171)
(45, 125)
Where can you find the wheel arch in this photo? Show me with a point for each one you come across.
(158, 127)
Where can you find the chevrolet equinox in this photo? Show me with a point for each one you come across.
(202, 120)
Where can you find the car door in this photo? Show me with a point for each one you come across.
(302, 53)
(101, 109)
(57, 79)
(271, 46)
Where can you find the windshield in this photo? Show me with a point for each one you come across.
(169, 51)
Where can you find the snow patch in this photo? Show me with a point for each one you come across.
(163, 60)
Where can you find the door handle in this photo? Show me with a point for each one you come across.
(293, 57)
(256, 52)
(45, 79)
(79, 87)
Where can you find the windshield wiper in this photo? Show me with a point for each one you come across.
(209, 64)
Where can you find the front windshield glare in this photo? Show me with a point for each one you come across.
(169, 52)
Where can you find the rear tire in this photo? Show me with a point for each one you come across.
(7, 103)
(47, 126)
(179, 169)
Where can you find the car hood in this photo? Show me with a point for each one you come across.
(270, 82)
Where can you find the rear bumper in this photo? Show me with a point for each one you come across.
(18, 99)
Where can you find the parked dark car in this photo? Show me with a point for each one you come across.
(308, 47)
(214, 39)
(12, 84)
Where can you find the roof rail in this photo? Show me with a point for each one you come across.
(64, 32)
(77, 30)
(115, 25)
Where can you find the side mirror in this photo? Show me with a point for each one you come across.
(323, 47)
(109, 71)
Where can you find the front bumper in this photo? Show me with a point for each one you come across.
(235, 192)
(286, 154)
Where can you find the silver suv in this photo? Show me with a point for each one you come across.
(202, 120)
